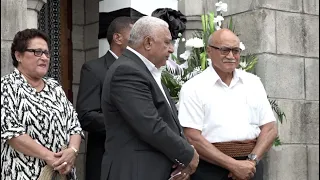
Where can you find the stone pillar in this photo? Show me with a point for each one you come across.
(145, 7)
(13, 18)
(34, 6)
(285, 38)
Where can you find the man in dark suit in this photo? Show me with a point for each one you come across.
(144, 139)
(89, 95)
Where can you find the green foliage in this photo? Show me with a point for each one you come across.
(275, 107)
(277, 142)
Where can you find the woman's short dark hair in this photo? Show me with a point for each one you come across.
(21, 40)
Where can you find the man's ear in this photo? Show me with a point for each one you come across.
(208, 49)
(117, 38)
(147, 43)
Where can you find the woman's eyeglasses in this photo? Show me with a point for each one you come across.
(39, 52)
(226, 50)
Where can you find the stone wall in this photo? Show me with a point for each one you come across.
(85, 27)
(13, 18)
(284, 35)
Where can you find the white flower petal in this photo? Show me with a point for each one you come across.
(185, 55)
(243, 64)
(242, 47)
(218, 3)
(194, 42)
(218, 18)
(184, 65)
(183, 39)
(222, 6)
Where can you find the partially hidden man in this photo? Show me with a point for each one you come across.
(226, 115)
(88, 103)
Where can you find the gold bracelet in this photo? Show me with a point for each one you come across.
(75, 150)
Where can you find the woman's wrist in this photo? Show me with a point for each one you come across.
(74, 150)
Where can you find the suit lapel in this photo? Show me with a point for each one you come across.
(172, 106)
(108, 60)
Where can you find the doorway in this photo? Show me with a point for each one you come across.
(55, 19)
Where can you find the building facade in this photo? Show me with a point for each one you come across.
(284, 35)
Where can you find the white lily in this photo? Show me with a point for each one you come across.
(184, 65)
(242, 47)
(194, 42)
(173, 67)
(218, 20)
(243, 64)
(222, 6)
(217, 28)
(185, 55)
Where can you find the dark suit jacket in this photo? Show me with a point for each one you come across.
(89, 111)
(143, 135)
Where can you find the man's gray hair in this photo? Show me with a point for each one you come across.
(145, 26)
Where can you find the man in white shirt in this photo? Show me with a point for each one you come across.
(144, 139)
(226, 115)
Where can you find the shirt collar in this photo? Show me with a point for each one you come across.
(237, 75)
(151, 67)
(20, 80)
(114, 55)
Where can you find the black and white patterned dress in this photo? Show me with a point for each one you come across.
(46, 116)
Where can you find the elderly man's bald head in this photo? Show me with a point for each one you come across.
(223, 36)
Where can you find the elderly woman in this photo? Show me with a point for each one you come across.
(39, 126)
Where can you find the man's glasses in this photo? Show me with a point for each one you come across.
(226, 50)
(39, 52)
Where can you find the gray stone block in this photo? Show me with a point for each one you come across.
(77, 37)
(190, 7)
(311, 30)
(282, 76)
(313, 162)
(292, 130)
(311, 121)
(92, 54)
(91, 11)
(78, 12)
(234, 7)
(286, 162)
(312, 78)
(81, 167)
(256, 29)
(91, 36)
(311, 6)
(6, 60)
(289, 33)
(13, 18)
(302, 122)
(194, 23)
(78, 61)
(284, 5)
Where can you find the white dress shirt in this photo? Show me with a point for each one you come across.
(156, 73)
(225, 113)
(113, 54)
